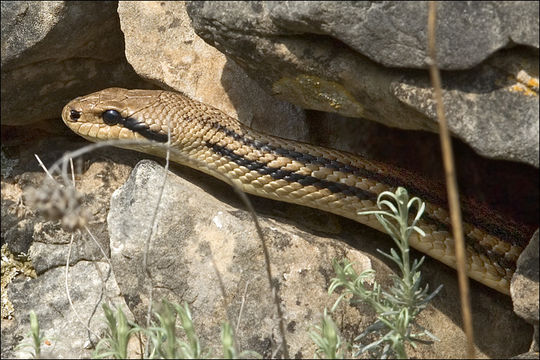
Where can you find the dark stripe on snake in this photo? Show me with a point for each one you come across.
(509, 234)
(334, 187)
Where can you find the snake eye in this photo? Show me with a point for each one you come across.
(112, 117)
(74, 115)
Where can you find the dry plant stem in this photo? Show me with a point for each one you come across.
(72, 171)
(62, 163)
(241, 309)
(44, 168)
(224, 294)
(451, 182)
(148, 241)
(68, 294)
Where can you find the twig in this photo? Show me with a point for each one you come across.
(62, 163)
(224, 295)
(153, 230)
(44, 168)
(241, 308)
(451, 182)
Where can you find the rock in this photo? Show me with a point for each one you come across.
(90, 285)
(469, 33)
(203, 231)
(43, 239)
(163, 48)
(48, 245)
(528, 355)
(46, 63)
(322, 57)
(192, 227)
(524, 287)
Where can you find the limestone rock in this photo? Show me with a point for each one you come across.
(194, 232)
(194, 227)
(469, 32)
(163, 48)
(524, 287)
(368, 59)
(90, 284)
(56, 50)
(47, 244)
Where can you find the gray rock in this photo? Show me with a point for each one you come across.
(493, 113)
(296, 51)
(193, 226)
(391, 33)
(89, 280)
(53, 51)
(528, 355)
(193, 231)
(524, 287)
(90, 284)
(163, 48)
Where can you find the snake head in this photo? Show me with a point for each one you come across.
(117, 113)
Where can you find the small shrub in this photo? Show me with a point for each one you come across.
(398, 307)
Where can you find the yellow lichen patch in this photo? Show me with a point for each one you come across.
(527, 85)
(527, 80)
(11, 267)
(520, 88)
(319, 93)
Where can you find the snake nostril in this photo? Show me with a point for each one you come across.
(112, 117)
(74, 115)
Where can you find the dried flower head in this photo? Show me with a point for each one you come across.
(58, 202)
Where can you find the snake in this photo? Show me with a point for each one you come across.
(335, 181)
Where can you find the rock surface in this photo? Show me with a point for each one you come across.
(45, 63)
(524, 287)
(90, 285)
(47, 243)
(53, 51)
(180, 261)
(163, 48)
(363, 60)
(390, 32)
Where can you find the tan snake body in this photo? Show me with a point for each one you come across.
(335, 181)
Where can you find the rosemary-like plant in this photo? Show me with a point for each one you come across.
(327, 338)
(118, 333)
(163, 339)
(398, 307)
(36, 335)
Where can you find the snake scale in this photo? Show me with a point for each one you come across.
(335, 181)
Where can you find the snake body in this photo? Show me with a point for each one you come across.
(335, 181)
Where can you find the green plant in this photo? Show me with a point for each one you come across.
(118, 333)
(398, 307)
(229, 349)
(36, 335)
(327, 338)
(164, 335)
